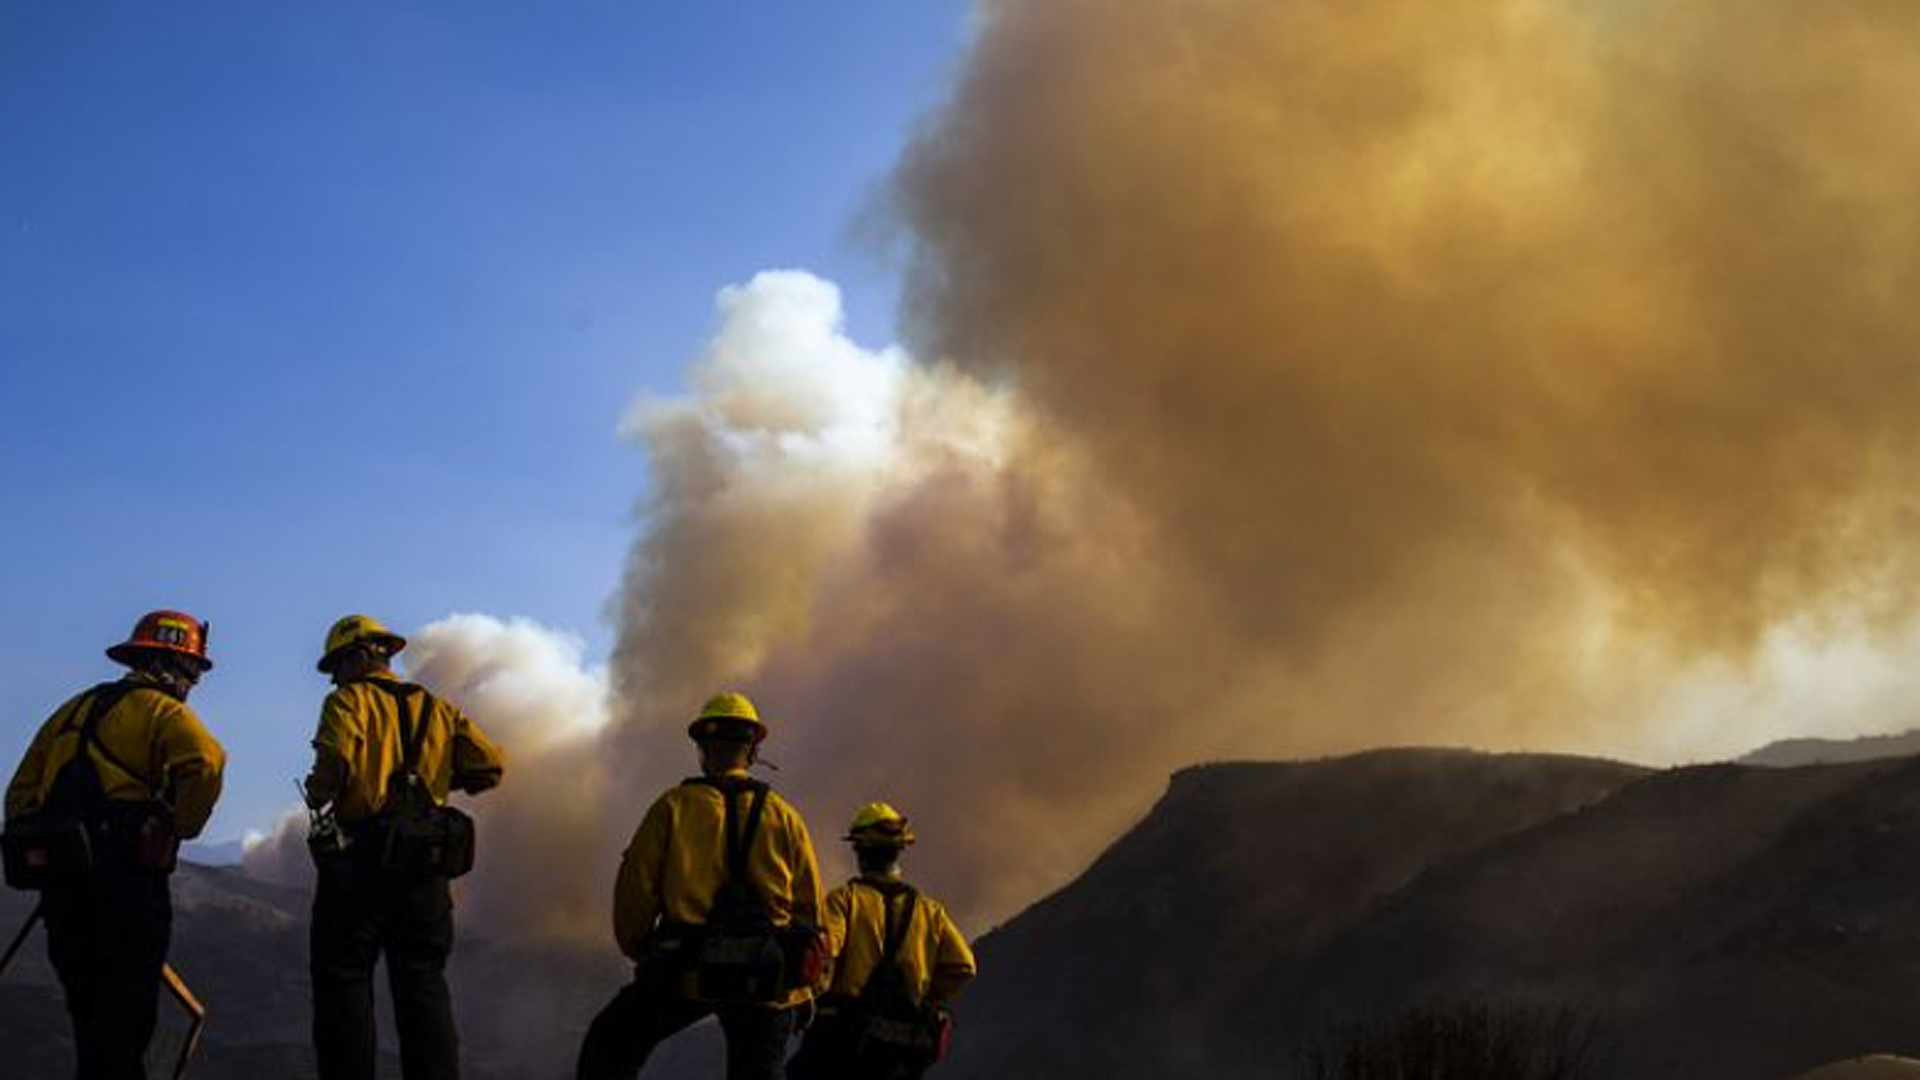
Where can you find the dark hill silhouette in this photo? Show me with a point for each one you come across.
(1791, 752)
(1242, 875)
(1717, 922)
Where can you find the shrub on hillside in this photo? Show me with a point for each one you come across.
(1459, 1041)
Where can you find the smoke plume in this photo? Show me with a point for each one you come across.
(1295, 376)
(1286, 377)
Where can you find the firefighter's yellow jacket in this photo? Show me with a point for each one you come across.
(358, 749)
(673, 869)
(933, 956)
(167, 752)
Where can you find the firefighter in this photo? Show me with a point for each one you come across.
(369, 899)
(898, 962)
(148, 777)
(717, 903)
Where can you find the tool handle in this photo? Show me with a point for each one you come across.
(178, 988)
(20, 938)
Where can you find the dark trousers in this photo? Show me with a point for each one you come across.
(828, 1052)
(107, 935)
(359, 914)
(648, 1010)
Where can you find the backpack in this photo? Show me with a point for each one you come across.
(79, 828)
(739, 955)
(416, 836)
(892, 1034)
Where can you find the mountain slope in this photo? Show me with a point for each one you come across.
(1791, 752)
(1718, 922)
(1239, 872)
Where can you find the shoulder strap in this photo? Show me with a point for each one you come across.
(413, 729)
(893, 931)
(896, 932)
(101, 701)
(737, 847)
(738, 841)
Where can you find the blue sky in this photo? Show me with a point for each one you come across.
(307, 309)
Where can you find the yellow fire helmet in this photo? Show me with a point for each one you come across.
(723, 711)
(879, 825)
(351, 630)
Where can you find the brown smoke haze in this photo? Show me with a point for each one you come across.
(1340, 293)
(1296, 376)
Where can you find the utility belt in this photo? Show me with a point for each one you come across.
(751, 964)
(884, 1036)
(56, 846)
(423, 842)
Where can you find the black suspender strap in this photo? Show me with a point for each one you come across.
(737, 833)
(738, 846)
(896, 935)
(886, 977)
(413, 728)
(101, 701)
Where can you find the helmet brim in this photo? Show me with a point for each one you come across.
(874, 839)
(393, 643)
(131, 655)
(899, 834)
(724, 728)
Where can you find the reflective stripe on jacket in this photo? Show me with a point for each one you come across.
(675, 865)
(933, 958)
(149, 730)
(357, 749)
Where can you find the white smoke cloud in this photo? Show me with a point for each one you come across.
(531, 685)
(767, 478)
(781, 375)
